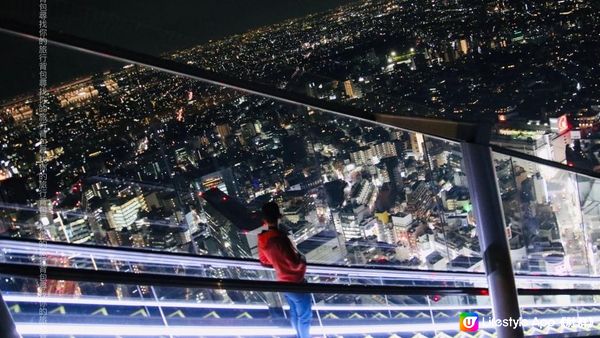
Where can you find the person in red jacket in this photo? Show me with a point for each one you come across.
(276, 250)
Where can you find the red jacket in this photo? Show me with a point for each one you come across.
(276, 250)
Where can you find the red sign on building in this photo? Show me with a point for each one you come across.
(563, 124)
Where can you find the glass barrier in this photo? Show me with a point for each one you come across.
(145, 159)
(559, 315)
(107, 259)
(85, 308)
(549, 215)
(533, 77)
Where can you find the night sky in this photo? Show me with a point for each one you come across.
(151, 26)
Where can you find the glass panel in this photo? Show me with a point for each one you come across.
(106, 259)
(536, 78)
(447, 206)
(589, 198)
(544, 218)
(143, 159)
(82, 309)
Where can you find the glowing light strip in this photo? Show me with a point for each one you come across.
(248, 331)
(149, 330)
(26, 298)
(156, 258)
(183, 304)
(220, 331)
(131, 302)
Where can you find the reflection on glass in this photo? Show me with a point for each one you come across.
(589, 197)
(144, 159)
(544, 218)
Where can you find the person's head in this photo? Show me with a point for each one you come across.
(271, 213)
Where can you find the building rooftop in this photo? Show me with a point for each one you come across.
(316, 241)
(241, 217)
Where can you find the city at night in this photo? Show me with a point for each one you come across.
(379, 168)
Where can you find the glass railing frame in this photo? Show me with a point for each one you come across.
(22, 270)
(317, 268)
(151, 278)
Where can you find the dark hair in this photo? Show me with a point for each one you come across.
(271, 212)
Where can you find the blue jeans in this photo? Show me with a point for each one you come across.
(300, 312)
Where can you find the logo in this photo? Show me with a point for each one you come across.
(468, 322)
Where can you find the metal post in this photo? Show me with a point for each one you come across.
(6, 322)
(487, 206)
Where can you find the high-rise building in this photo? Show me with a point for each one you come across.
(20, 112)
(222, 179)
(362, 192)
(348, 88)
(541, 189)
(162, 237)
(247, 132)
(347, 224)
(258, 127)
(72, 229)
(416, 143)
(351, 90)
(124, 215)
(348, 221)
(374, 153)
(323, 248)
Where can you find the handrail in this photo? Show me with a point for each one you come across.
(364, 271)
(120, 277)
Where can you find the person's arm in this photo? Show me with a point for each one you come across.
(264, 259)
(295, 249)
(287, 255)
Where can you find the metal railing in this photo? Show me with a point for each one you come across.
(170, 281)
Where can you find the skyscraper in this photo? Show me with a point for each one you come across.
(123, 215)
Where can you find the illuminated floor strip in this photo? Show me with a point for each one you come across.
(222, 331)
(25, 298)
(248, 331)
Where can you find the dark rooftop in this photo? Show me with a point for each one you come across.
(233, 210)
